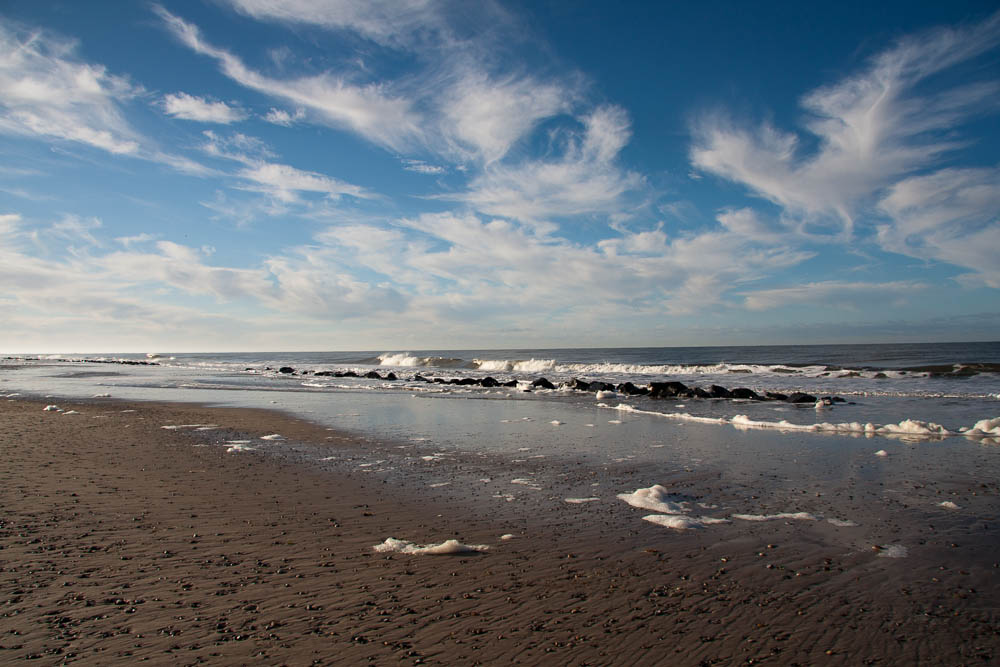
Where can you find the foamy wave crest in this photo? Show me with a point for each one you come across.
(407, 360)
(515, 365)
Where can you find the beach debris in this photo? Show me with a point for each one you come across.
(947, 504)
(273, 436)
(51, 408)
(882, 453)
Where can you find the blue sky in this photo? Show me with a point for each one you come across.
(347, 174)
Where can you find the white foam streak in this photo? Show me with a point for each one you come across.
(908, 428)
(798, 516)
(391, 544)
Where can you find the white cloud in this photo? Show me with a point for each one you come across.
(284, 118)
(421, 167)
(485, 116)
(584, 180)
(127, 241)
(881, 134)
(384, 21)
(952, 215)
(833, 293)
(189, 107)
(370, 110)
(45, 92)
(282, 182)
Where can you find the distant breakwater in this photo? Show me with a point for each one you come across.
(662, 390)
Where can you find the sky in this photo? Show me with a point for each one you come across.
(213, 175)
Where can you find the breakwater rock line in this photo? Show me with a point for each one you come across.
(660, 390)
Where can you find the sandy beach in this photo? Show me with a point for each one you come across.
(124, 541)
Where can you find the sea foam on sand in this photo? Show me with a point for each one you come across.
(654, 498)
(674, 514)
(391, 544)
(681, 522)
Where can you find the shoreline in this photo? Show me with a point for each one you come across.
(124, 541)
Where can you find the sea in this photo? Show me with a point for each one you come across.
(873, 425)
(930, 390)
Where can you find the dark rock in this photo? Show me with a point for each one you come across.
(632, 390)
(698, 392)
(372, 375)
(391, 377)
(286, 370)
(489, 382)
(509, 383)
(667, 389)
(543, 383)
(799, 397)
(775, 396)
(719, 392)
(439, 381)
(834, 399)
(465, 382)
(420, 378)
(881, 376)
(743, 392)
(324, 374)
(580, 385)
(348, 374)
(601, 386)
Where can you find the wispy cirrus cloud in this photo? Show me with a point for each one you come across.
(873, 128)
(880, 135)
(393, 22)
(46, 92)
(584, 179)
(191, 107)
(371, 110)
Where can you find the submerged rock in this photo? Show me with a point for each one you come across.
(667, 389)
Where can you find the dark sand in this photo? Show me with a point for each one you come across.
(122, 542)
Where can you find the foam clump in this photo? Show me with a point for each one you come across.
(655, 498)
(102, 395)
(882, 453)
(602, 395)
(580, 501)
(842, 523)
(914, 427)
(273, 436)
(800, 516)
(892, 551)
(682, 522)
(391, 544)
(985, 427)
(947, 504)
(51, 408)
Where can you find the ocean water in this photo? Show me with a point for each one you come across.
(914, 390)
(914, 426)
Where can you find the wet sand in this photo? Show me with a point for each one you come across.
(123, 541)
